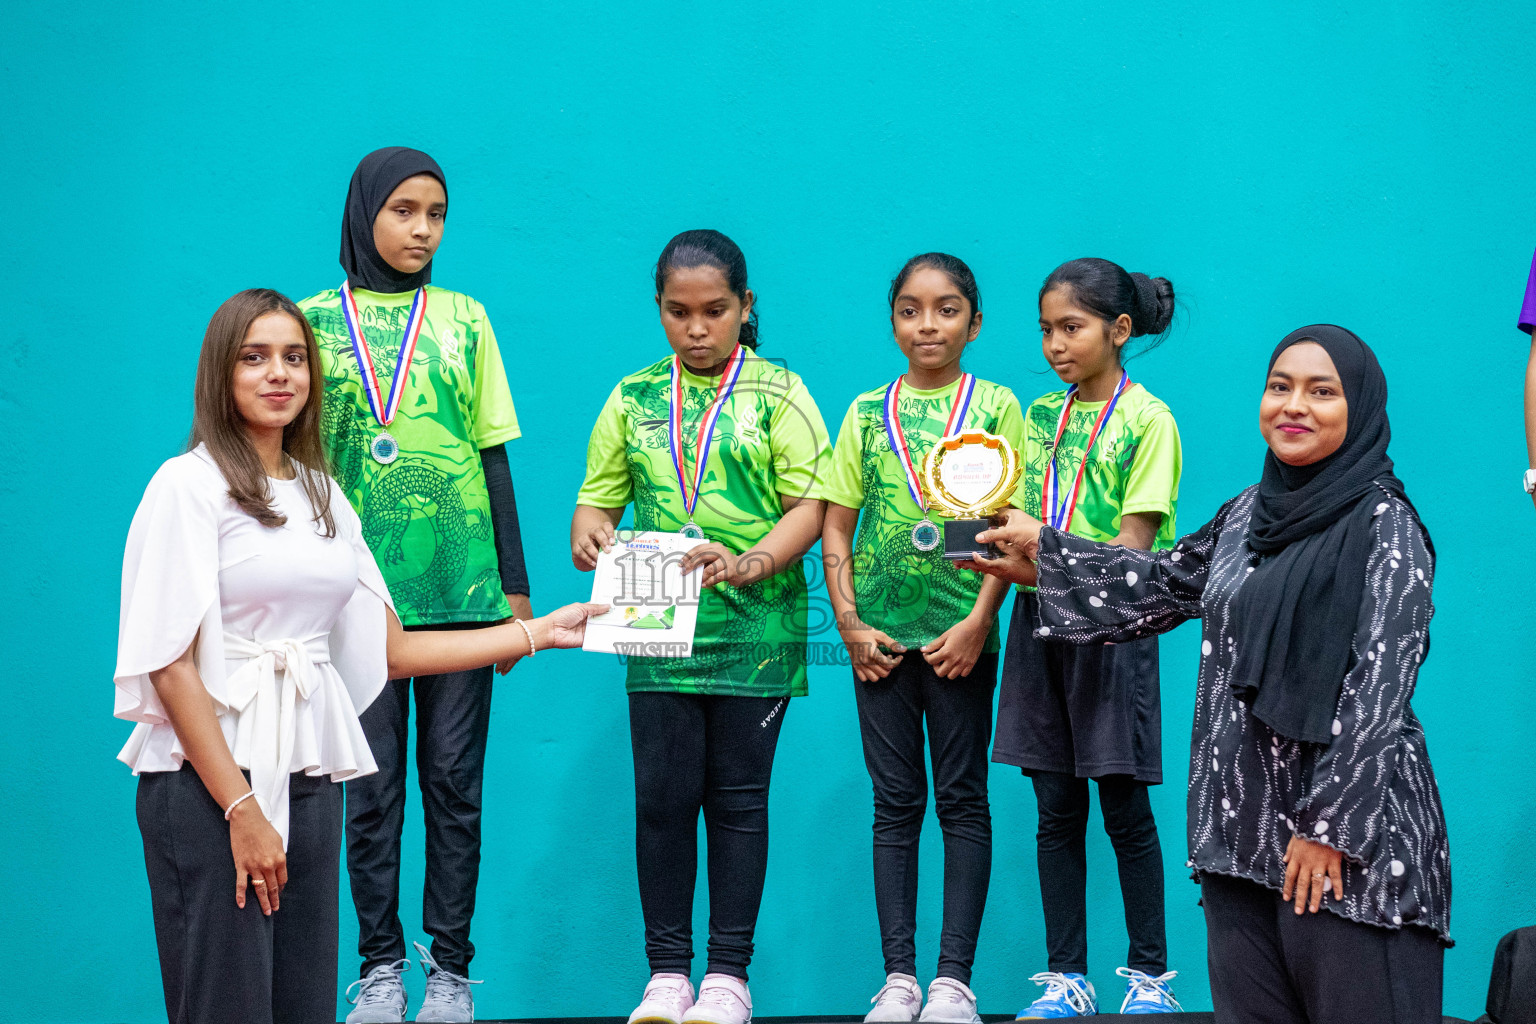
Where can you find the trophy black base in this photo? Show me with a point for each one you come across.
(960, 540)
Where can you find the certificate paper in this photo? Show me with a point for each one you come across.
(653, 605)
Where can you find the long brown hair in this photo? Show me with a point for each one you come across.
(217, 423)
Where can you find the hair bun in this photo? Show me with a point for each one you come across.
(1154, 305)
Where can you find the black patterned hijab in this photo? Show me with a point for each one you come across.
(377, 175)
(1312, 526)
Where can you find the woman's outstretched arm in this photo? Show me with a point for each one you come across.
(425, 652)
(1094, 593)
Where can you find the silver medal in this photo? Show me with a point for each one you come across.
(384, 448)
(925, 535)
(691, 531)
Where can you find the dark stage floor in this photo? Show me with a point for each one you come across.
(1170, 1018)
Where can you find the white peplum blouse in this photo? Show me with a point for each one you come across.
(290, 629)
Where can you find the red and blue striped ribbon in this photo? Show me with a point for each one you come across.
(384, 410)
(1055, 511)
(706, 438)
(898, 438)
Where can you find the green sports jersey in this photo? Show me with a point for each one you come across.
(911, 595)
(1134, 466)
(769, 440)
(427, 515)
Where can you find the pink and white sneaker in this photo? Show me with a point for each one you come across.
(950, 1002)
(667, 997)
(722, 1000)
(901, 1000)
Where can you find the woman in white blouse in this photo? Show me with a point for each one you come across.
(255, 628)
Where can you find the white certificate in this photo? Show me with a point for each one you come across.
(653, 605)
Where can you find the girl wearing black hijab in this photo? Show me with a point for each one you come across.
(1310, 784)
(417, 413)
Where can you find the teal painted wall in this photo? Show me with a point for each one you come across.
(1281, 163)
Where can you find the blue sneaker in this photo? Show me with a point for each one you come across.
(1146, 994)
(1066, 995)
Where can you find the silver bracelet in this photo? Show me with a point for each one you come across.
(533, 648)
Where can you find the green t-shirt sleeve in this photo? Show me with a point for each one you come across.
(798, 438)
(843, 482)
(1010, 427)
(1010, 423)
(1031, 453)
(607, 484)
(495, 418)
(1152, 485)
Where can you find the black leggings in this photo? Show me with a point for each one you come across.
(958, 713)
(713, 754)
(1063, 863)
(453, 715)
(1270, 965)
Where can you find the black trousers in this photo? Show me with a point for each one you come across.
(958, 712)
(713, 754)
(1269, 965)
(453, 715)
(221, 964)
(1063, 865)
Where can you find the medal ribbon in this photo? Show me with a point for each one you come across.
(1057, 512)
(898, 438)
(723, 391)
(383, 410)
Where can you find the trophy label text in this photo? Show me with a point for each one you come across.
(970, 478)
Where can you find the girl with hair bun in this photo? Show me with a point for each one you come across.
(1101, 460)
(726, 448)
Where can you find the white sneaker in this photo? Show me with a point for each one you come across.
(950, 1002)
(722, 1000)
(380, 996)
(447, 999)
(667, 997)
(899, 1000)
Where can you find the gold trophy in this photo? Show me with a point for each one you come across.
(969, 477)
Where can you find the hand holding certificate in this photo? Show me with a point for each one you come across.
(653, 603)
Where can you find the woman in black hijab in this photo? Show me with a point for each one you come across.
(417, 416)
(1310, 785)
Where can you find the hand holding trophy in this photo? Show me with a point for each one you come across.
(969, 477)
